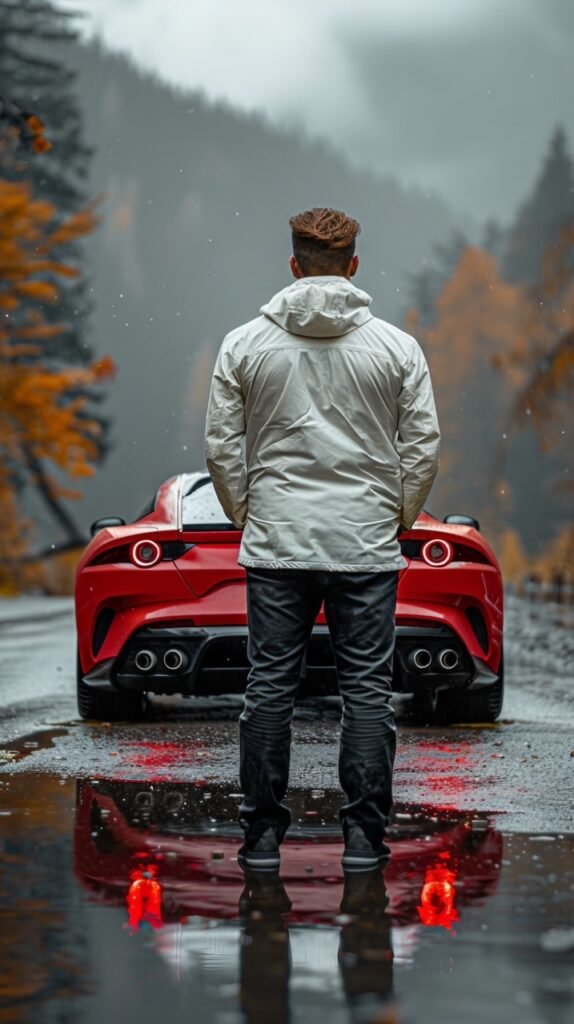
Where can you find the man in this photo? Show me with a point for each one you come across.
(322, 441)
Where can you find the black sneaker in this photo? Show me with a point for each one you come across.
(360, 854)
(261, 854)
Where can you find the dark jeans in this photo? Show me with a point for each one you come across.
(282, 605)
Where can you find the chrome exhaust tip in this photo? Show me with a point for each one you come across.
(448, 659)
(420, 658)
(144, 800)
(145, 660)
(175, 660)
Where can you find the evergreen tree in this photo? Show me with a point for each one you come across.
(35, 79)
(33, 37)
(542, 217)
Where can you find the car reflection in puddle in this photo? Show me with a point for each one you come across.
(167, 854)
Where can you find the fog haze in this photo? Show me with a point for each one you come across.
(210, 123)
(455, 97)
(194, 238)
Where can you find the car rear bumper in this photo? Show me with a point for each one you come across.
(215, 662)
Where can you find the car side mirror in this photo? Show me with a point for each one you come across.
(457, 519)
(105, 523)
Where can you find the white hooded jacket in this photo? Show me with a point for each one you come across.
(322, 435)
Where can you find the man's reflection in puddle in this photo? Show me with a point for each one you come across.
(365, 948)
(265, 955)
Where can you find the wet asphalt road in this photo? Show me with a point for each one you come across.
(121, 897)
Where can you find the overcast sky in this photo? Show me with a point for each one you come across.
(457, 96)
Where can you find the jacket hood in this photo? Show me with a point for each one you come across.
(319, 307)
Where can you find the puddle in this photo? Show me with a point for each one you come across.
(30, 744)
(187, 836)
(513, 772)
(124, 900)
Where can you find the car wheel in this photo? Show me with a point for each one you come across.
(473, 705)
(103, 706)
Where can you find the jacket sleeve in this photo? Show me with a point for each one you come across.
(418, 441)
(224, 438)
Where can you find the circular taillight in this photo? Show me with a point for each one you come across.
(145, 553)
(437, 552)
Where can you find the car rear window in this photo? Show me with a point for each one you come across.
(201, 509)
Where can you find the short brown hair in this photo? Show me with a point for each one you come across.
(323, 240)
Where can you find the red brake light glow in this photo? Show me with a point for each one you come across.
(144, 898)
(437, 552)
(436, 908)
(145, 553)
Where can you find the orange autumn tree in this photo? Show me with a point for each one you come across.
(482, 325)
(476, 316)
(540, 364)
(540, 361)
(44, 421)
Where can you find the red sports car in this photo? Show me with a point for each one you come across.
(160, 609)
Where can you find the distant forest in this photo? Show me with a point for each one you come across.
(195, 239)
(184, 235)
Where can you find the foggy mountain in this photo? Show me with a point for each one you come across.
(194, 239)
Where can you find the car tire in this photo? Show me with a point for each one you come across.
(102, 706)
(473, 706)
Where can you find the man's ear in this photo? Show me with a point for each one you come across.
(295, 268)
(354, 266)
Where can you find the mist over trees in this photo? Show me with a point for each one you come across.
(195, 239)
(542, 217)
(497, 324)
(194, 201)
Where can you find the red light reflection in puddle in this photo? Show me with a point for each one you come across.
(448, 769)
(144, 898)
(436, 908)
(158, 757)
